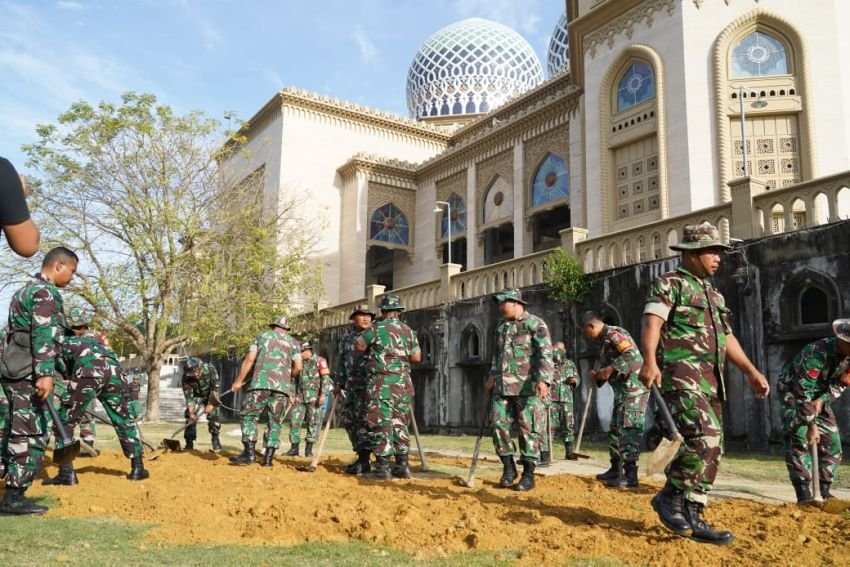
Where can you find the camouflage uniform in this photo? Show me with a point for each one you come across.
(813, 374)
(93, 371)
(197, 392)
(692, 355)
(312, 383)
(351, 377)
(35, 314)
(389, 388)
(630, 395)
(271, 387)
(4, 409)
(88, 429)
(565, 380)
(522, 357)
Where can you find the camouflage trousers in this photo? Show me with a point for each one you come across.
(305, 413)
(627, 424)
(213, 420)
(88, 430)
(798, 457)
(4, 419)
(387, 417)
(354, 417)
(530, 415)
(111, 390)
(561, 419)
(264, 403)
(26, 429)
(699, 420)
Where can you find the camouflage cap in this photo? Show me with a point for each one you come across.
(78, 318)
(192, 363)
(699, 236)
(390, 302)
(509, 295)
(306, 346)
(281, 322)
(841, 328)
(361, 309)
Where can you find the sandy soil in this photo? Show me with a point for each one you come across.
(199, 498)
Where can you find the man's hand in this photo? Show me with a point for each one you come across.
(236, 387)
(758, 383)
(813, 435)
(191, 412)
(602, 375)
(337, 389)
(489, 384)
(542, 390)
(818, 404)
(650, 374)
(208, 408)
(44, 387)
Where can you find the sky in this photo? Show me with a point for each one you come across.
(221, 56)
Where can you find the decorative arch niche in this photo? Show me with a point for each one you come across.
(810, 302)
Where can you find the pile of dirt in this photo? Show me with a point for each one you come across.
(199, 498)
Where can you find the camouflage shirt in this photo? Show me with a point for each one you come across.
(693, 338)
(99, 336)
(273, 368)
(36, 309)
(620, 351)
(565, 377)
(351, 364)
(85, 357)
(814, 374)
(390, 344)
(314, 379)
(201, 387)
(522, 357)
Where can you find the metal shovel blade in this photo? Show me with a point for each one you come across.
(663, 455)
(577, 456)
(172, 445)
(67, 454)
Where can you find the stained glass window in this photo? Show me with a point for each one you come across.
(759, 55)
(458, 216)
(498, 201)
(551, 181)
(636, 86)
(389, 225)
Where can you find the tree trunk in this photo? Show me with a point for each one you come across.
(154, 368)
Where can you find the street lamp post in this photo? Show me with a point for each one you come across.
(437, 209)
(759, 103)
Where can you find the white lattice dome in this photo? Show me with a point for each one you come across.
(470, 67)
(558, 58)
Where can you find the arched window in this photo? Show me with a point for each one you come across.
(458, 217)
(551, 181)
(470, 344)
(426, 344)
(636, 85)
(498, 201)
(389, 224)
(814, 306)
(758, 55)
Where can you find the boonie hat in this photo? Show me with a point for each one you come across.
(509, 295)
(699, 236)
(390, 302)
(361, 309)
(306, 346)
(841, 328)
(192, 363)
(78, 318)
(281, 322)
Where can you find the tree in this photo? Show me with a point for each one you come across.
(567, 284)
(174, 250)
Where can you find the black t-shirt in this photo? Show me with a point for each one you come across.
(13, 205)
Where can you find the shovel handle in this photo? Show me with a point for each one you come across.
(665, 413)
(324, 438)
(60, 425)
(419, 448)
(813, 450)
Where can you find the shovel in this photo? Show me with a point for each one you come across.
(419, 447)
(173, 444)
(816, 495)
(470, 480)
(668, 448)
(315, 461)
(70, 448)
(575, 454)
(107, 421)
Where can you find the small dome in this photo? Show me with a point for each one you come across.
(558, 58)
(470, 67)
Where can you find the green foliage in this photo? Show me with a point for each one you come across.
(565, 278)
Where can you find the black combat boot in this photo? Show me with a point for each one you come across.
(247, 456)
(801, 488)
(545, 458)
(569, 453)
(669, 504)
(216, 443)
(627, 477)
(308, 449)
(190, 444)
(382, 469)
(361, 465)
(401, 468)
(293, 450)
(137, 469)
(14, 503)
(703, 532)
(526, 482)
(268, 457)
(824, 490)
(509, 471)
(66, 477)
(611, 473)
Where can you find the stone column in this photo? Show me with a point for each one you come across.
(519, 203)
(372, 293)
(472, 219)
(447, 293)
(570, 237)
(745, 219)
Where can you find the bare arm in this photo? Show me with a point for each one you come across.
(650, 335)
(23, 237)
(243, 370)
(297, 365)
(736, 355)
(416, 358)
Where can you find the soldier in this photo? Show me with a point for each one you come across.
(276, 361)
(351, 377)
(687, 317)
(92, 371)
(565, 380)
(807, 387)
(392, 346)
(4, 407)
(200, 384)
(313, 385)
(630, 398)
(521, 372)
(36, 330)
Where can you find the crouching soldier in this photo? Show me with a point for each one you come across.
(807, 387)
(200, 384)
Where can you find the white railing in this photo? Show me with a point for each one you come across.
(420, 295)
(518, 272)
(802, 205)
